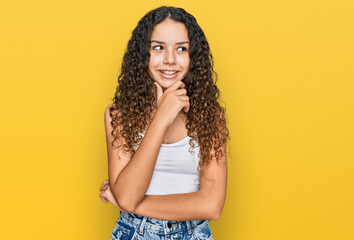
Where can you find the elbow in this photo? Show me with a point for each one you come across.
(126, 204)
(215, 214)
(213, 205)
(215, 210)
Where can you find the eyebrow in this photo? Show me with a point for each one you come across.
(160, 42)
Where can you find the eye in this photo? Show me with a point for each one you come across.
(157, 47)
(182, 49)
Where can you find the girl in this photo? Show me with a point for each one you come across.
(166, 133)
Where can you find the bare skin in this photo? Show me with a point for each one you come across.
(207, 203)
(129, 177)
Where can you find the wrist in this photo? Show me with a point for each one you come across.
(159, 121)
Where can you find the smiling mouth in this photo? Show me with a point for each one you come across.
(168, 72)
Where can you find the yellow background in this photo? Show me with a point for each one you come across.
(286, 76)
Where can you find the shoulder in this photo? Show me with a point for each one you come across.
(110, 118)
(110, 109)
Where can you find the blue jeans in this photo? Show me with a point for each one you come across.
(136, 227)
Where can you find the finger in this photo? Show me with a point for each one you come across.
(104, 186)
(183, 98)
(105, 182)
(103, 198)
(176, 85)
(181, 91)
(158, 90)
(186, 108)
(185, 102)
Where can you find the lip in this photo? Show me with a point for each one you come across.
(168, 76)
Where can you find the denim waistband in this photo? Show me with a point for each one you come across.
(159, 226)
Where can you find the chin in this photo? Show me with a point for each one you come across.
(166, 83)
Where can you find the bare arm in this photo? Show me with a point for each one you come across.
(130, 176)
(207, 203)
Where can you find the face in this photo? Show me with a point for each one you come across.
(169, 53)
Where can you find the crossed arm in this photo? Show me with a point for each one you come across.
(130, 177)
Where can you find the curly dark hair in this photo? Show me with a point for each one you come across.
(134, 100)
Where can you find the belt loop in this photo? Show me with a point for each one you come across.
(188, 223)
(165, 228)
(141, 228)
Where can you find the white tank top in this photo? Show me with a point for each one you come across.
(175, 169)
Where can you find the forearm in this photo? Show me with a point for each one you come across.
(177, 207)
(133, 181)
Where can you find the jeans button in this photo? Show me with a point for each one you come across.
(169, 225)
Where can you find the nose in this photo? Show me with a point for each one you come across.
(170, 57)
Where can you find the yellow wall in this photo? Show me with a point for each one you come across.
(286, 76)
